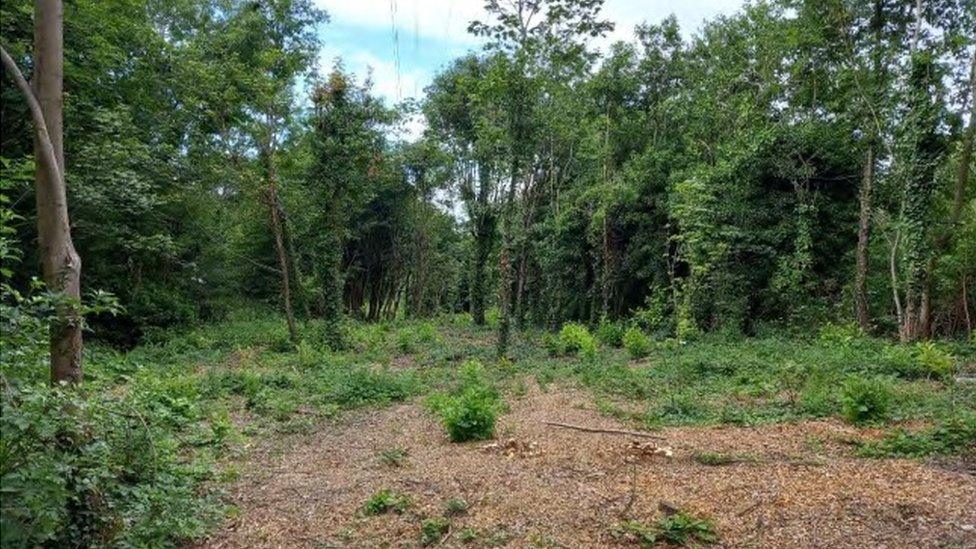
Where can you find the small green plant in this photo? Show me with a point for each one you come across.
(385, 501)
(865, 400)
(433, 530)
(471, 411)
(393, 457)
(933, 360)
(681, 528)
(553, 344)
(636, 342)
(840, 333)
(455, 507)
(468, 535)
(949, 436)
(677, 528)
(610, 333)
(575, 338)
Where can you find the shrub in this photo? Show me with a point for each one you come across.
(840, 333)
(949, 436)
(455, 507)
(610, 333)
(470, 413)
(934, 361)
(385, 501)
(636, 342)
(553, 344)
(865, 400)
(94, 471)
(433, 529)
(575, 338)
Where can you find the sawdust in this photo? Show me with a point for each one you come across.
(544, 486)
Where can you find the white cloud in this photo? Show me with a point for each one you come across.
(439, 19)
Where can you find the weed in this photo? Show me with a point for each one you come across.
(638, 345)
(393, 457)
(471, 411)
(433, 530)
(680, 528)
(455, 507)
(610, 333)
(865, 400)
(933, 361)
(575, 338)
(385, 501)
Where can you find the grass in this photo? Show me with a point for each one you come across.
(204, 393)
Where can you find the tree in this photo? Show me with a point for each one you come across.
(60, 261)
(530, 34)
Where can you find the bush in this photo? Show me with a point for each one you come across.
(949, 436)
(840, 333)
(470, 413)
(933, 361)
(610, 333)
(553, 344)
(433, 529)
(94, 471)
(575, 338)
(865, 400)
(636, 343)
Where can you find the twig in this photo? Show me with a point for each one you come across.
(607, 431)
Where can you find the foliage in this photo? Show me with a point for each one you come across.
(866, 400)
(394, 457)
(610, 333)
(455, 507)
(576, 338)
(678, 529)
(433, 529)
(933, 360)
(950, 436)
(637, 343)
(470, 412)
(386, 501)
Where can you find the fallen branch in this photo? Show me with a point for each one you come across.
(607, 431)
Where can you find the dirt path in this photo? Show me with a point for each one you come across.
(538, 485)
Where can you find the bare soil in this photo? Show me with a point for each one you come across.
(789, 485)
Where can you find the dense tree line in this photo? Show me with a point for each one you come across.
(794, 163)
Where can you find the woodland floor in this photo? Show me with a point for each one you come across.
(793, 484)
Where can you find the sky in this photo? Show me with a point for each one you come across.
(404, 43)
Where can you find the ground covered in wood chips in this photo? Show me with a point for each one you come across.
(794, 484)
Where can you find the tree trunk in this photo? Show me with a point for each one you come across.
(958, 203)
(278, 233)
(863, 241)
(505, 266)
(61, 264)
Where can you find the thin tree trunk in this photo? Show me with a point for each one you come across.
(505, 266)
(482, 241)
(279, 243)
(863, 241)
(61, 264)
(958, 203)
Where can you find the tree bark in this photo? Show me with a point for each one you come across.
(61, 264)
(279, 242)
(944, 239)
(863, 241)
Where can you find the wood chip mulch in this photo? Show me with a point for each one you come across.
(787, 485)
